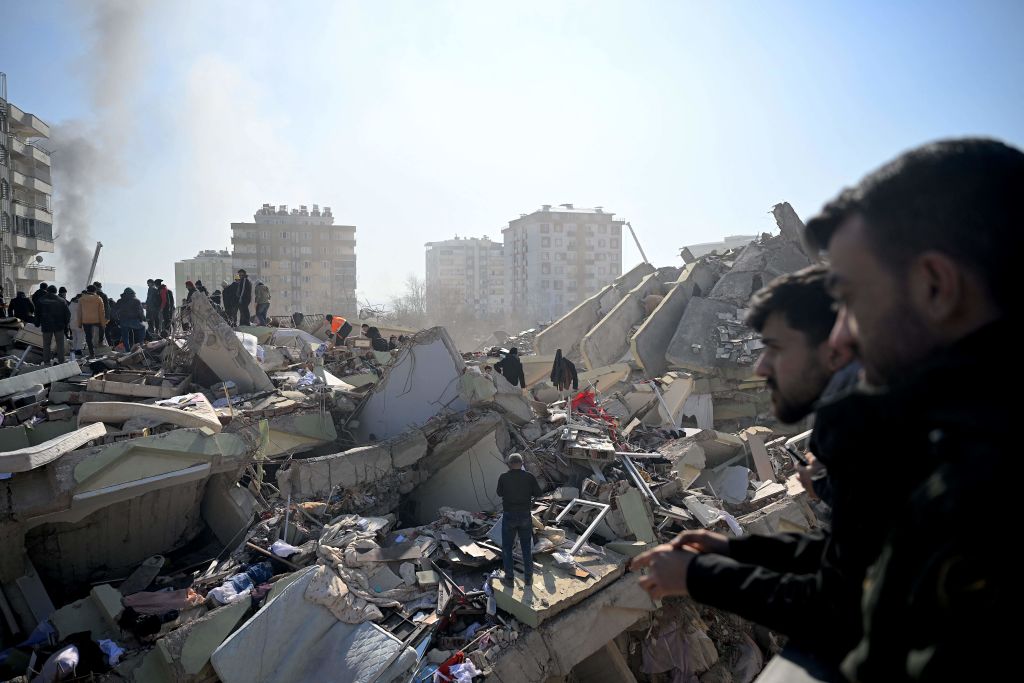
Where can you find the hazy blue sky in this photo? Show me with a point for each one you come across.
(422, 119)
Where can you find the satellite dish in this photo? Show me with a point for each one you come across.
(39, 259)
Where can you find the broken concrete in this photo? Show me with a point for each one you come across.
(608, 340)
(421, 383)
(216, 344)
(566, 332)
(652, 338)
(194, 411)
(44, 376)
(31, 457)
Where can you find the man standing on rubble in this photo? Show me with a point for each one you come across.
(230, 297)
(22, 308)
(93, 318)
(244, 297)
(512, 368)
(785, 581)
(53, 316)
(152, 308)
(517, 488)
(262, 303)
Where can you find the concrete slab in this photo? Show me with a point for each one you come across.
(794, 230)
(554, 590)
(44, 376)
(786, 515)
(560, 644)
(652, 338)
(299, 432)
(638, 519)
(566, 332)
(96, 613)
(675, 391)
(694, 346)
(628, 548)
(31, 457)
(194, 411)
(537, 369)
(419, 384)
(316, 477)
(466, 483)
(228, 510)
(219, 348)
(608, 340)
(757, 265)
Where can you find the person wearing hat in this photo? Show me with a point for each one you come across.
(129, 314)
(517, 488)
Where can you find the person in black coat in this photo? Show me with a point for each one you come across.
(229, 295)
(53, 316)
(512, 368)
(563, 373)
(377, 342)
(22, 308)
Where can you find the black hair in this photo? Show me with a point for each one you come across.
(803, 300)
(961, 197)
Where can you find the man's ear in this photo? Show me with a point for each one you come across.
(936, 287)
(835, 358)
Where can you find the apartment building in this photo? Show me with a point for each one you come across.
(308, 262)
(25, 190)
(212, 266)
(465, 277)
(557, 256)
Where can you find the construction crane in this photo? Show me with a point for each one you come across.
(642, 254)
(92, 268)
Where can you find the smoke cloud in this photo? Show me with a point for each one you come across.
(87, 154)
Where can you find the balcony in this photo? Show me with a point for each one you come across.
(26, 125)
(30, 183)
(30, 152)
(33, 273)
(32, 210)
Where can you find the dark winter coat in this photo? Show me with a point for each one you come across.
(129, 309)
(52, 314)
(22, 308)
(512, 369)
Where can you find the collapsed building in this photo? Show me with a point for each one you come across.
(255, 504)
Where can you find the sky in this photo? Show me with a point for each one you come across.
(419, 120)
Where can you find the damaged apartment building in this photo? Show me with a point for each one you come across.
(259, 504)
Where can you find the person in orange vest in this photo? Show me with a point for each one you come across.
(339, 327)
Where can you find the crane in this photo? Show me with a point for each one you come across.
(92, 268)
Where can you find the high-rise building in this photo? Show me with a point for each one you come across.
(211, 266)
(307, 261)
(465, 277)
(25, 190)
(556, 257)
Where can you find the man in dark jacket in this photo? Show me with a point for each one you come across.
(512, 368)
(926, 291)
(230, 297)
(563, 373)
(517, 488)
(129, 315)
(39, 293)
(166, 309)
(152, 307)
(244, 297)
(377, 342)
(53, 316)
(22, 308)
(786, 581)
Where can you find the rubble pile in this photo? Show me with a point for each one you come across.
(256, 504)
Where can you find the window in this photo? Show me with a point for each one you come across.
(602, 229)
(545, 268)
(558, 241)
(545, 241)
(545, 228)
(558, 284)
(266, 264)
(545, 256)
(600, 244)
(545, 284)
(558, 227)
(560, 256)
(264, 234)
(559, 270)
(305, 264)
(570, 245)
(614, 243)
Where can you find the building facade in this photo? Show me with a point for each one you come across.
(25, 192)
(211, 266)
(557, 257)
(465, 278)
(308, 262)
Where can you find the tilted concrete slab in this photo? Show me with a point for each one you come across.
(125, 384)
(653, 336)
(219, 348)
(466, 483)
(31, 457)
(555, 590)
(675, 390)
(793, 229)
(195, 412)
(758, 264)
(13, 385)
(536, 369)
(566, 332)
(604, 378)
(558, 645)
(299, 432)
(421, 382)
(695, 344)
(608, 341)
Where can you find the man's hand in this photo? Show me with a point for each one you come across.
(702, 541)
(666, 571)
(808, 473)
